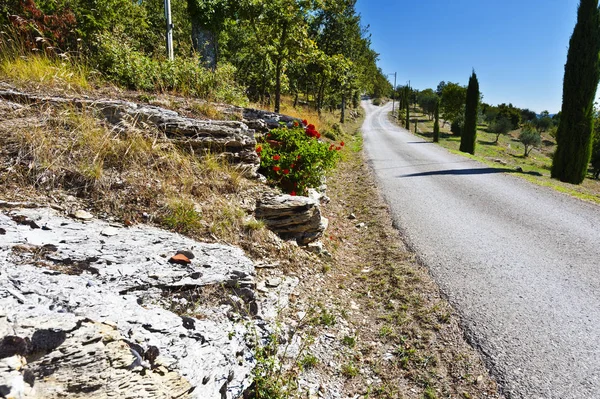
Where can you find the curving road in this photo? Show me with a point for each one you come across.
(519, 263)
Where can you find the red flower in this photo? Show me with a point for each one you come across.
(258, 149)
(343, 144)
(331, 147)
(286, 171)
(276, 168)
(311, 127)
(296, 124)
(298, 157)
(293, 193)
(276, 157)
(338, 148)
(305, 122)
(318, 135)
(292, 166)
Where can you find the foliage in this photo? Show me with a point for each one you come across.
(135, 70)
(457, 125)
(500, 126)
(295, 159)
(428, 100)
(510, 112)
(453, 101)
(528, 115)
(182, 217)
(530, 139)
(318, 49)
(469, 134)
(543, 123)
(582, 74)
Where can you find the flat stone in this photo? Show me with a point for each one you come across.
(83, 215)
(180, 259)
(187, 254)
(292, 217)
(273, 282)
(110, 231)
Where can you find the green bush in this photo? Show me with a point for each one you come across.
(530, 138)
(295, 159)
(123, 65)
(500, 125)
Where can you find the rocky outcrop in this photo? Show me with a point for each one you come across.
(92, 310)
(232, 140)
(292, 217)
(263, 121)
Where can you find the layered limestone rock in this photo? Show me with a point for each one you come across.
(292, 217)
(94, 311)
(230, 139)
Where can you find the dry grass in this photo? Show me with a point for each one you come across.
(42, 68)
(39, 70)
(132, 173)
(397, 309)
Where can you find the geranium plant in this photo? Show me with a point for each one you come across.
(295, 159)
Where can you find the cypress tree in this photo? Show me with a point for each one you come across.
(436, 124)
(582, 73)
(469, 131)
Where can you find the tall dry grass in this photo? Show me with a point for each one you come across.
(24, 67)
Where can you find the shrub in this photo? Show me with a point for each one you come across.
(500, 126)
(377, 101)
(530, 139)
(122, 64)
(295, 159)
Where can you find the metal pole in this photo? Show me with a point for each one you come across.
(169, 30)
(394, 94)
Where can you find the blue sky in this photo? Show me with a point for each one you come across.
(518, 48)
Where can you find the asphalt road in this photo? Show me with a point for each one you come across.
(520, 263)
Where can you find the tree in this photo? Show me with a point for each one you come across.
(440, 88)
(279, 27)
(436, 124)
(500, 126)
(582, 73)
(469, 134)
(208, 17)
(453, 101)
(543, 123)
(513, 114)
(528, 115)
(427, 100)
(530, 139)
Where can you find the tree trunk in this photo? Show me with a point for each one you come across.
(343, 117)
(278, 65)
(205, 44)
(277, 84)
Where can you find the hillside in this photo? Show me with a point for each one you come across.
(163, 233)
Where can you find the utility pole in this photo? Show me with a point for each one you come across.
(169, 30)
(393, 94)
